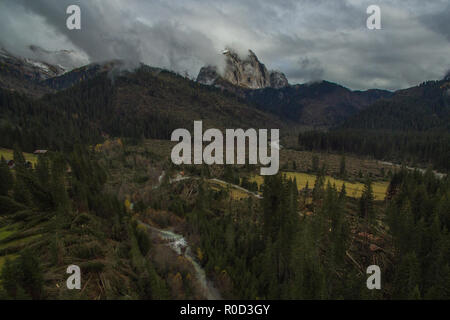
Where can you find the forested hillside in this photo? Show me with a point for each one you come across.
(412, 127)
(315, 243)
(57, 215)
(321, 104)
(104, 193)
(147, 103)
(421, 108)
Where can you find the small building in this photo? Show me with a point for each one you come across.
(40, 151)
(10, 164)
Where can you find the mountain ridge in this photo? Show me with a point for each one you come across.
(318, 104)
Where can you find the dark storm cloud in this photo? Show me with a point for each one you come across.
(110, 30)
(439, 21)
(307, 40)
(309, 68)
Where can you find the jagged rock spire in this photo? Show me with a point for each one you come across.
(247, 72)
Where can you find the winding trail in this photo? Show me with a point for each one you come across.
(181, 178)
(237, 187)
(179, 244)
(436, 173)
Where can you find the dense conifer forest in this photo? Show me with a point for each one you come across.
(94, 198)
(411, 128)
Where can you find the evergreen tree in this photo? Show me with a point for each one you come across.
(315, 163)
(6, 178)
(342, 169)
(23, 277)
(343, 192)
(366, 201)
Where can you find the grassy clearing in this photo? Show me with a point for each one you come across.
(353, 189)
(377, 170)
(8, 154)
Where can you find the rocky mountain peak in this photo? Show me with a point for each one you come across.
(247, 72)
(278, 79)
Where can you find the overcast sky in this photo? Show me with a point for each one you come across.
(308, 40)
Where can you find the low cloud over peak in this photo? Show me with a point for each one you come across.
(306, 40)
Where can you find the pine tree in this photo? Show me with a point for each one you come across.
(23, 277)
(6, 178)
(19, 159)
(57, 183)
(342, 169)
(42, 171)
(8, 277)
(407, 276)
(366, 201)
(315, 163)
(318, 188)
(343, 192)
